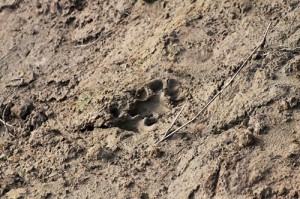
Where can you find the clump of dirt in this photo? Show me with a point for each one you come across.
(89, 87)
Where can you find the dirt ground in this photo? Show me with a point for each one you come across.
(89, 87)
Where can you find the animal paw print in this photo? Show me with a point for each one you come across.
(150, 102)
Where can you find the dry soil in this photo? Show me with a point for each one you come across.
(90, 86)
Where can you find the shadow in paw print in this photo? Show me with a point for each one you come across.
(172, 91)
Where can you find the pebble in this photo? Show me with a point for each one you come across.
(246, 139)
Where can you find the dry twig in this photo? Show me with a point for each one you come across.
(260, 45)
(285, 49)
(6, 125)
(172, 124)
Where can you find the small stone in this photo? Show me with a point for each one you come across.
(259, 128)
(294, 150)
(256, 175)
(25, 52)
(246, 139)
(293, 102)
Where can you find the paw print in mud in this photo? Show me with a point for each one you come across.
(151, 101)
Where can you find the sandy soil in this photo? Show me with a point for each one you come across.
(103, 80)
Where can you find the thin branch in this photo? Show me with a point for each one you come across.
(285, 49)
(6, 125)
(175, 119)
(3, 114)
(88, 44)
(172, 124)
(261, 44)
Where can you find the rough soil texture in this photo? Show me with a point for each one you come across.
(103, 80)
